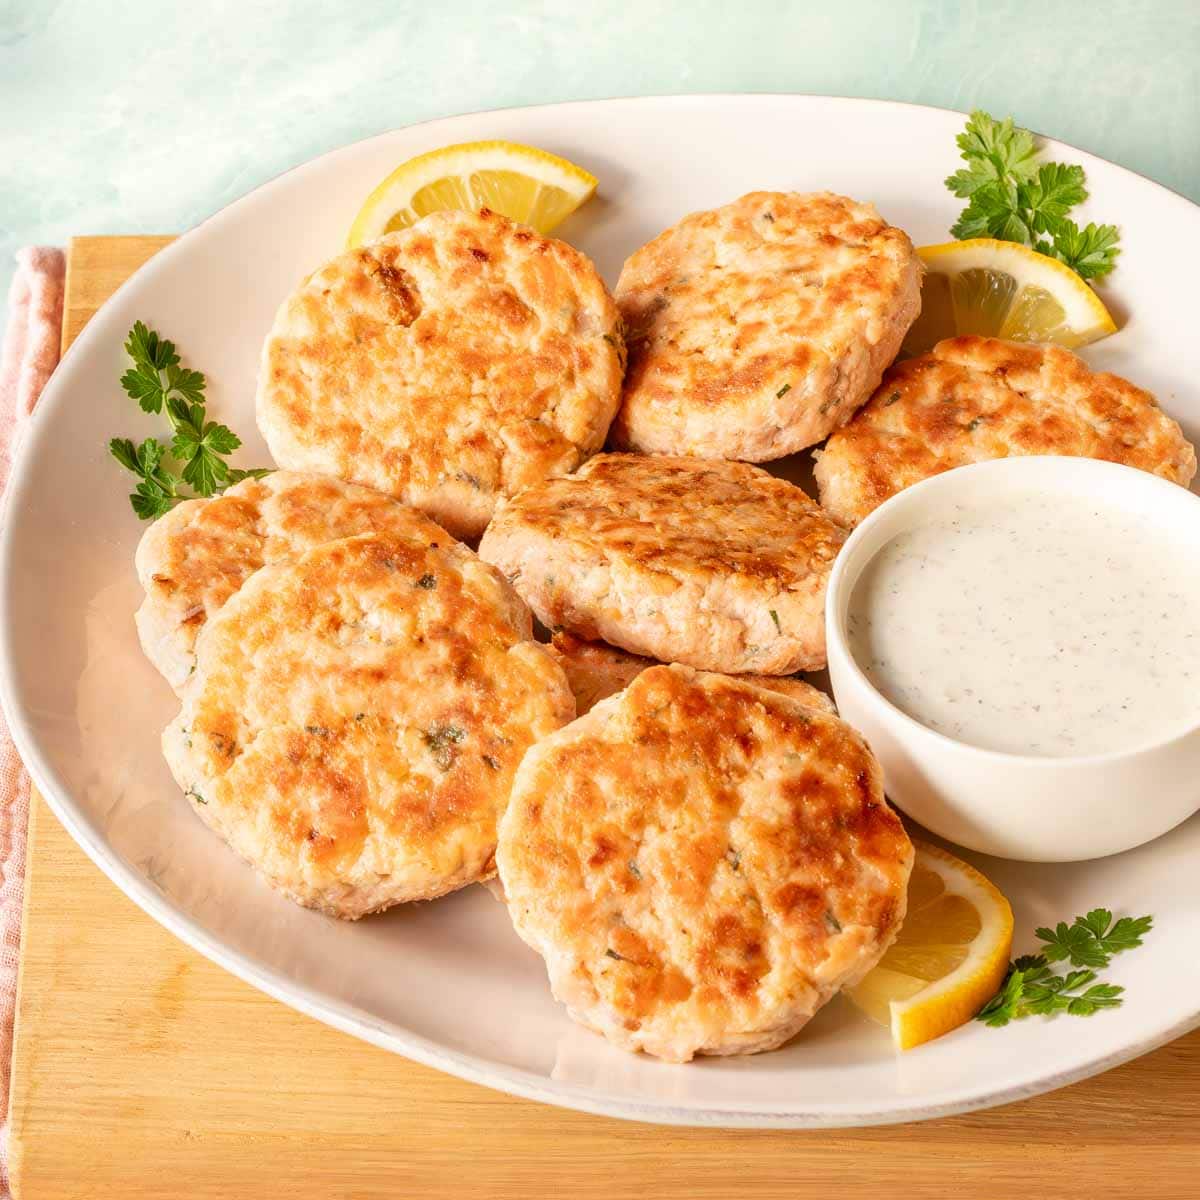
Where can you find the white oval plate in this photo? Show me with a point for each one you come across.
(448, 983)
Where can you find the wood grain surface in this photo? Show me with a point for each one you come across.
(143, 1070)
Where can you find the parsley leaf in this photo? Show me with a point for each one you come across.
(994, 211)
(151, 356)
(200, 445)
(144, 345)
(1092, 940)
(1016, 199)
(122, 449)
(1002, 1007)
(144, 384)
(205, 471)
(1103, 995)
(1090, 252)
(994, 150)
(1049, 197)
(149, 455)
(156, 492)
(185, 383)
(159, 382)
(152, 500)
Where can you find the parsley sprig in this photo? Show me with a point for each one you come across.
(1031, 988)
(1013, 197)
(160, 383)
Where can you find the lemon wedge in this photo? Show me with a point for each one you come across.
(521, 182)
(1002, 289)
(951, 955)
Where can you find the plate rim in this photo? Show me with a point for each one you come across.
(346, 1017)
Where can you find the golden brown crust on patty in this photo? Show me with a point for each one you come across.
(449, 364)
(356, 718)
(194, 558)
(714, 564)
(971, 399)
(596, 671)
(757, 328)
(702, 864)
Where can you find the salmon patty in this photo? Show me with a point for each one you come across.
(596, 671)
(194, 558)
(449, 364)
(702, 864)
(714, 564)
(356, 718)
(971, 399)
(757, 328)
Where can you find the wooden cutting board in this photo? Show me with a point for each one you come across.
(141, 1070)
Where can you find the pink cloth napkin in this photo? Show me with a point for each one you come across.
(30, 353)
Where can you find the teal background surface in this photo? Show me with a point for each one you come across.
(143, 116)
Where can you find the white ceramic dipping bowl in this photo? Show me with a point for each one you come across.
(1038, 809)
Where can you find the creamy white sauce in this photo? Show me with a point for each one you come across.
(1039, 624)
